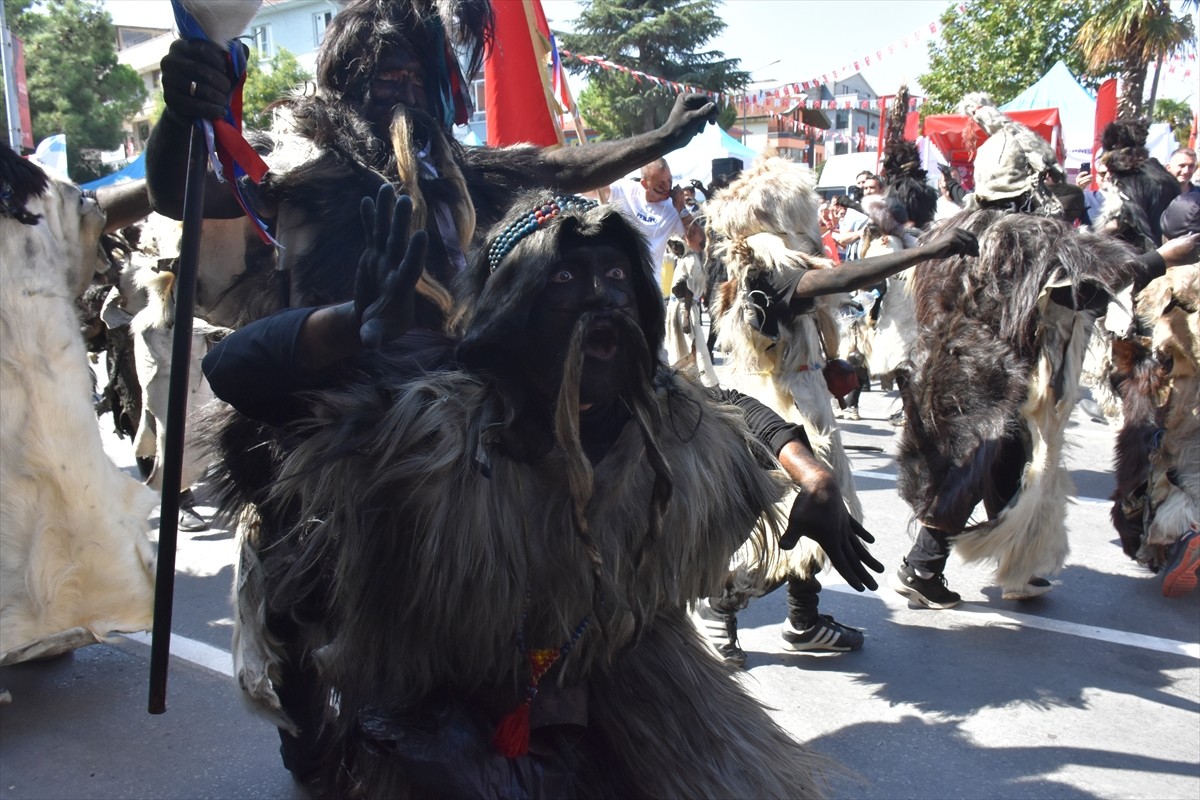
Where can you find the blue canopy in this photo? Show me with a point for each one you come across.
(134, 170)
(1076, 106)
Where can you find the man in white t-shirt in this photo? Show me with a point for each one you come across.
(658, 207)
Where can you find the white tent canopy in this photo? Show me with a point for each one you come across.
(1076, 106)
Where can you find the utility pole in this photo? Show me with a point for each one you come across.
(12, 108)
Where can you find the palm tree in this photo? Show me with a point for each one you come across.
(1128, 35)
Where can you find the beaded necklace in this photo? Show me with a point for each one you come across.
(511, 738)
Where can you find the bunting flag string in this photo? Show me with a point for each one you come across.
(791, 92)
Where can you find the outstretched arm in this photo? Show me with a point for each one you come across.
(865, 272)
(819, 512)
(591, 166)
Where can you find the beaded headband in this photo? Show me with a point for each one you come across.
(529, 223)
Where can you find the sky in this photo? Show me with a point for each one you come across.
(780, 41)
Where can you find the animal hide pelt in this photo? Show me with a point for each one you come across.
(1157, 457)
(75, 562)
(997, 365)
(443, 549)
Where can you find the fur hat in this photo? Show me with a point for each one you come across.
(1010, 163)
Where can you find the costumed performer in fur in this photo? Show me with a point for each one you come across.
(493, 536)
(1156, 508)
(996, 371)
(685, 325)
(908, 209)
(774, 321)
(389, 92)
(1136, 195)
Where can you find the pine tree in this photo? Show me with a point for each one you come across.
(663, 38)
(76, 85)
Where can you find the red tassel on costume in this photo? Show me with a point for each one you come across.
(512, 734)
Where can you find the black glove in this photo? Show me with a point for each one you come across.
(822, 517)
(954, 242)
(203, 65)
(388, 270)
(688, 117)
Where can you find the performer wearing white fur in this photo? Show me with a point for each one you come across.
(773, 318)
(75, 562)
(685, 327)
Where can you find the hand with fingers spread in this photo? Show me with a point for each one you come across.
(820, 514)
(384, 298)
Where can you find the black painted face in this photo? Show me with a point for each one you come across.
(399, 80)
(591, 279)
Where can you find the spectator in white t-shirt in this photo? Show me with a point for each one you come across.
(658, 207)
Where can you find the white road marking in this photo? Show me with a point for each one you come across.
(984, 616)
(194, 652)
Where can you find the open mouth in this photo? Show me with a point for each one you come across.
(601, 340)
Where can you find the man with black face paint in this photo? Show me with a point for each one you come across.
(389, 91)
(461, 502)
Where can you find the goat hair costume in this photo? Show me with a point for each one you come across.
(448, 542)
(764, 225)
(996, 365)
(685, 329)
(75, 561)
(1157, 499)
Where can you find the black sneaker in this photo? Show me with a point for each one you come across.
(929, 592)
(721, 632)
(826, 636)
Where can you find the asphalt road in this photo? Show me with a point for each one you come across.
(1090, 692)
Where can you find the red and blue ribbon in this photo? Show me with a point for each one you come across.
(232, 156)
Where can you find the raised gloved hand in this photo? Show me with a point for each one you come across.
(388, 270)
(688, 117)
(197, 80)
(953, 242)
(821, 515)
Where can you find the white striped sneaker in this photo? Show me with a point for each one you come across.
(826, 635)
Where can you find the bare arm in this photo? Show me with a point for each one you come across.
(123, 204)
(866, 272)
(591, 166)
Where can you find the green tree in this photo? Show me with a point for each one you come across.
(1179, 115)
(76, 86)
(1126, 36)
(279, 80)
(1001, 47)
(663, 38)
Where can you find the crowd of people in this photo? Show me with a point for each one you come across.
(483, 464)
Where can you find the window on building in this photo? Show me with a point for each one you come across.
(478, 95)
(321, 21)
(843, 120)
(143, 134)
(261, 37)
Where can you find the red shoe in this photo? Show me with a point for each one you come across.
(1179, 577)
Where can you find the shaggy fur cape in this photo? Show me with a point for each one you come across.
(75, 563)
(997, 361)
(426, 537)
(1157, 453)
